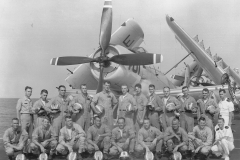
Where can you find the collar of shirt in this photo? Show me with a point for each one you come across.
(44, 102)
(26, 98)
(185, 98)
(17, 131)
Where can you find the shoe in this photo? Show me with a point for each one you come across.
(50, 157)
(105, 156)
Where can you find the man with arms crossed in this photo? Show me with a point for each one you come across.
(226, 107)
(201, 139)
(24, 111)
(44, 139)
(98, 137)
(124, 101)
(223, 140)
(123, 138)
(14, 139)
(71, 138)
(149, 139)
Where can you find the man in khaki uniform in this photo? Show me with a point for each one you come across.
(71, 138)
(123, 138)
(201, 139)
(149, 139)
(98, 137)
(176, 138)
(14, 139)
(83, 116)
(141, 102)
(155, 108)
(168, 99)
(125, 100)
(44, 139)
(187, 116)
(58, 106)
(204, 104)
(39, 109)
(107, 100)
(24, 111)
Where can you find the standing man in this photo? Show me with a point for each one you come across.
(24, 111)
(123, 138)
(149, 139)
(141, 102)
(39, 109)
(173, 104)
(82, 117)
(98, 137)
(155, 108)
(189, 106)
(226, 107)
(58, 105)
(71, 138)
(201, 139)
(107, 100)
(44, 139)
(14, 139)
(124, 101)
(223, 140)
(176, 138)
(208, 107)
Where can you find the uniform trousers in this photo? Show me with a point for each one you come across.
(129, 116)
(139, 119)
(104, 144)
(10, 151)
(223, 147)
(77, 146)
(193, 144)
(82, 120)
(125, 147)
(152, 147)
(56, 121)
(169, 116)
(27, 123)
(187, 121)
(154, 119)
(35, 149)
(171, 145)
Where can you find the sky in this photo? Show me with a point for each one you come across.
(33, 32)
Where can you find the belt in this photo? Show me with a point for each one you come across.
(122, 110)
(25, 113)
(148, 141)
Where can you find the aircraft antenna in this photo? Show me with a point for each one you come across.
(177, 64)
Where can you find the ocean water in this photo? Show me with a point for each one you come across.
(7, 112)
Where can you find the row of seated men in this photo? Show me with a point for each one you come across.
(160, 111)
(72, 138)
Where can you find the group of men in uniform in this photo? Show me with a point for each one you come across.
(143, 123)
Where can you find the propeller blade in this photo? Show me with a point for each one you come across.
(137, 59)
(106, 26)
(71, 60)
(100, 80)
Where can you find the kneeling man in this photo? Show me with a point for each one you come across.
(44, 139)
(224, 140)
(71, 138)
(201, 138)
(98, 137)
(123, 138)
(14, 139)
(149, 138)
(176, 138)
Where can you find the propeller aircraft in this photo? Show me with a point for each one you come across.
(120, 60)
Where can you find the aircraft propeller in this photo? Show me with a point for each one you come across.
(104, 40)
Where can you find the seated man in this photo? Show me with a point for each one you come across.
(123, 138)
(201, 138)
(14, 139)
(44, 139)
(224, 140)
(98, 137)
(176, 138)
(71, 138)
(150, 139)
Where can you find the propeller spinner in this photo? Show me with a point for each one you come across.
(104, 40)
